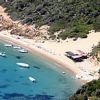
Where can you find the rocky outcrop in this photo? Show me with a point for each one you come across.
(21, 30)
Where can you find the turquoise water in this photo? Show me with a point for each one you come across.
(50, 84)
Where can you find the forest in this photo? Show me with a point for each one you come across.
(75, 17)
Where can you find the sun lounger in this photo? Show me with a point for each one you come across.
(83, 54)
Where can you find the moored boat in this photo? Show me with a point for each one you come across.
(32, 79)
(23, 65)
(2, 54)
(23, 51)
(16, 47)
(64, 72)
(8, 45)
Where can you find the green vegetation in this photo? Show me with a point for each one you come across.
(89, 91)
(96, 52)
(76, 17)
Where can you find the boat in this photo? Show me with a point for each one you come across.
(8, 45)
(64, 72)
(2, 54)
(23, 51)
(16, 47)
(23, 65)
(32, 79)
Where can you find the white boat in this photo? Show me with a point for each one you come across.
(2, 54)
(8, 45)
(64, 72)
(16, 47)
(32, 79)
(23, 51)
(24, 65)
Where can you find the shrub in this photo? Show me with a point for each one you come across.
(63, 35)
(56, 26)
(78, 17)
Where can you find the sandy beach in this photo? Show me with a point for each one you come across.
(34, 48)
(55, 51)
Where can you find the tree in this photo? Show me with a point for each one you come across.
(99, 73)
(97, 24)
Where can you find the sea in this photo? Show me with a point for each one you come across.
(51, 83)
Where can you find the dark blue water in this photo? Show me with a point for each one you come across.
(50, 84)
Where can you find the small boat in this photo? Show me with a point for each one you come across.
(8, 45)
(32, 79)
(2, 54)
(64, 72)
(23, 65)
(16, 47)
(23, 51)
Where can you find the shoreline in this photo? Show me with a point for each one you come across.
(41, 52)
(83, 69)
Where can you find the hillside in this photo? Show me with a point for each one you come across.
(89, 91)
(74, 16)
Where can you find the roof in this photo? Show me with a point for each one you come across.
(72, 55)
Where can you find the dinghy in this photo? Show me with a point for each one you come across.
(23, 51)
(16, 47)
(2, 54)
(32, 79)
(8, 45)
(23, 65)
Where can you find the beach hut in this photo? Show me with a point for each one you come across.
(75, 57)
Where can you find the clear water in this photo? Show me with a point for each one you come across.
(50, 84)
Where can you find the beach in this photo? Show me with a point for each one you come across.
(55, 51)
(30, 46)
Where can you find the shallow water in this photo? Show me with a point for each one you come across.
(51, 83)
